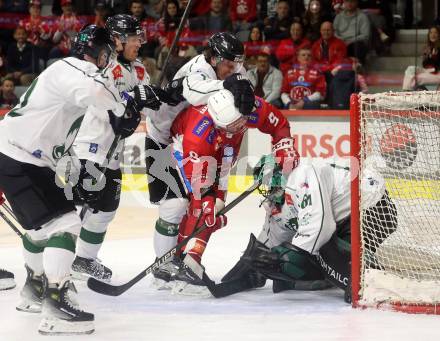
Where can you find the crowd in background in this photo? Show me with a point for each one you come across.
(297, 51)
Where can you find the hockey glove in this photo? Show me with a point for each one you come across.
(172, 92)
(241, 88)
(126, 124)
(87, 189)
(206, 209)
(286, 155)
(145, 97)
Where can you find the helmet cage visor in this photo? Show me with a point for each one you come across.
(236, 65)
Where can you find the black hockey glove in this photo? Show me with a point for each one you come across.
(87, 190)
(241, 88)
(146, 97)
(127, 124)
(172, 93)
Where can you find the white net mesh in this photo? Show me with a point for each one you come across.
(400, 139)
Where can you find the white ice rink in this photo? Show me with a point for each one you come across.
(143, 313)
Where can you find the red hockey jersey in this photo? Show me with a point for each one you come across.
(300, 83)
(203, 152)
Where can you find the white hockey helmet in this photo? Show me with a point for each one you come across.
(224, 113)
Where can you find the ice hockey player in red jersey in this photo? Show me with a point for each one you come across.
(206, 142)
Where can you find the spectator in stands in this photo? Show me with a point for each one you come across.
(154, 9)
(136, 8)
(22, 57)
(38, 30)
(287, 49)
(337, 6)
(216, 20)
(417, 77)
(329, 52)
(149, 25)
(2, 61)
(266, 79)
(330, 55)
(381, 19)
(14, 6)
(253, 46)
(102, 12)
(313, 18)
(65, 29)
(8, 99)
(353, 27)
(242, 13)
(277, 27)
(304, 86)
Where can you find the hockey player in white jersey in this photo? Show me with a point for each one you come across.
(95, 139)
(34, 137)
(305, 240)
(219, 67)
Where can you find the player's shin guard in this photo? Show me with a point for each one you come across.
(93, 233)
(165, 236)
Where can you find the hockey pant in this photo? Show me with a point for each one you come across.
(42, 209)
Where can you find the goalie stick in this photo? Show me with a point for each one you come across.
(116, 290)
(8, 221)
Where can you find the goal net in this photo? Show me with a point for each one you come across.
(396, 246)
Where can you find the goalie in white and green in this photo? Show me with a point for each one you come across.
(305, 240)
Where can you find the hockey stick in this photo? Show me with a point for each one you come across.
(116, 290)
(174, 43)
(8, 221)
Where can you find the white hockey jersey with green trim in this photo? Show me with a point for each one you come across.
(42, 127)
(96, 135)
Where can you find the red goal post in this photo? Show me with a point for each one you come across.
(397, 135)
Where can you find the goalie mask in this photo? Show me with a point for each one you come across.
(273, 182)
(94, 42)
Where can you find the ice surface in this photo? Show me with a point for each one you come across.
(143, 313)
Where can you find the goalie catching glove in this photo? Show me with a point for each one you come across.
(241, 88)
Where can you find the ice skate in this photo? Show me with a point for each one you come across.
(83, 268)
(32, 293)
(61, 314)
(164, 275)
(6, 280)
(187, 283)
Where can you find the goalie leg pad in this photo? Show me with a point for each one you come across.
(334, 260)
(242, 267)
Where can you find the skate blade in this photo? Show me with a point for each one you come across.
(160, 284)
(54, 326)
(28, 306)
(7, 283)
(186, 289)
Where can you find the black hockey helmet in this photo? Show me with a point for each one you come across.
(123, 26)
(95, 42)
(226, 46)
